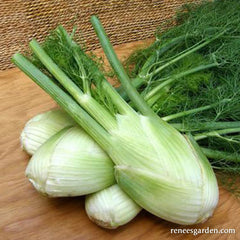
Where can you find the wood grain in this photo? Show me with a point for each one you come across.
(24, 214)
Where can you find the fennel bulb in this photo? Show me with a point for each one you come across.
(111, 207)
(70, 163)
(41, 127)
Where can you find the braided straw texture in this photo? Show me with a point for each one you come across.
(124, 20)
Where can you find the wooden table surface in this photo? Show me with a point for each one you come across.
(25, 215)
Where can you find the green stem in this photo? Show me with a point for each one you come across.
(151, 96)
(170, 79)
(141, 78)
(185, 113)
(86, 87)
(86, 101)
(96, 131)
(216, 133)
(192, 111)
(158, 53)
(189, 72)
(220, 155)
(55, 70)
(136, 82)
(183, 127)
(121, 105)
(138, 101)
(186, 53)
(98, 112)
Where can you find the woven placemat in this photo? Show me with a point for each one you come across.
(124, 20)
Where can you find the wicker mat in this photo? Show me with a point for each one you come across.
(124, 20)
